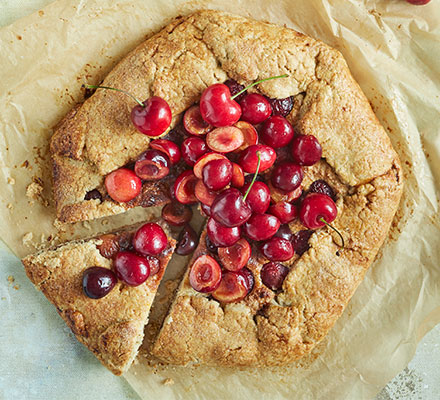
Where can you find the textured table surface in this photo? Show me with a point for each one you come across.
(41, 358)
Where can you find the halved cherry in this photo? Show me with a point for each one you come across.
(233, 288)
(278, 196)
(225, 139)
(237, 176)
(205, 274)
(249, 159)
(235, 257)
(184, 188)
(203, 194)
(194, 123)
(123, 185)
(176, 214)
(205, 159)
(152, 165)
(285, 212)
(250, 134)
(168, 147)
(220, 235)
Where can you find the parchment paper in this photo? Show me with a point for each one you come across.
(393, 50)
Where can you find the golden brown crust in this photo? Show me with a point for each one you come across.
(111, 327)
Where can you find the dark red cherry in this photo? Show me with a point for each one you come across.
(176, 214)
(300, 241)
(220, 235)
(94, 194)
(205, 274)
(152, 165)
(187, 241)
(131, 268)
(194, 123)
(276, 132)
(169, 148)
(321, 186)
(154, 118)
(287, 176)
(261, 226)
(206, 210)
(249, 159)
(249, 278)
(285, 233)
(123, 185)
(277, 249)
(150, 239)
(229, 208)
(234, 88)
(233, 288)
(306, 150)
(184, 188)
(316, 207)
(98, 282)
(255, 108)
(281, 107)
(258, 197)
(285, 212)
(192, 149)
(217, 174)
(273, 275)
(210, 246)
(235, 257)
(217, 107)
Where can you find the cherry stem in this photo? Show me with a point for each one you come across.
(255, 176)
(332, 227)
(256, 83)
(117, 90)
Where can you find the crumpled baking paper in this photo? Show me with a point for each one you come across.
(393, 51)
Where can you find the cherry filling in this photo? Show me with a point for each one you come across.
(98, 282)
(273, 275)
(205, 274)
(235, 257)
(281, 107)
(194, 123)
(233, 287)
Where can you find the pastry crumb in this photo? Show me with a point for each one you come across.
(11, 181)
(168, 382)
(27, 239)
(34, 189)
(11, 279)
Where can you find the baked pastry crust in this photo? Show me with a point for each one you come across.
(111, 327)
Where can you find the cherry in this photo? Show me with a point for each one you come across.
(273, 275)
(217, 174)
(187, 241)
(230, 209)
(233, 288)
(277, 249)
(237, 176)
(306, 150)
(225, 139)
(131, 268)
(222, 236)
(205, 274)
(248, 159)
(258, 197)
(123, 185)
(235, 257)
(150, 239)
(169, 148)
(94, 194)
(217, 107)
(278, 195)
(206, 210)
(194, 123)
(255, 108)
(205, 159)
(261, 226)
(234, 88)
(287, 176)
(250, 135)
(285, 212)
(192, 149)
(418, 2)
(276, 132)
(210, 246)
(285, 233)
(204, 195)
(152, 165)
(321, 186)
(317, 210)
(249, 278)
(98, 282)
(300, 241)
(184, 187)
(281, 107)
(176, 214)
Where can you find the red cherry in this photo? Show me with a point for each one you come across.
(273, 275)
(235, 257)
(250, 135)
(225, 139)
(287, 176)
(150, 239)
(176, 214)
(192, 149)
(281, 107)
(194, 123)
(233, 288)
(203, 194)
(249, 278)
(261, 226)
(205, 274)
(249, 159)
(123, 185)
(306, 150)
(285, 233)
(98, 282)
(184, 188)
(187, 241)
(131, 268)
(153, 118)
(418, 2)
(229, 208)
(255, 108)
(258, 197)
(315, 207)
(220, 235)
(300, 241)
(237, 176)
(276, 132)
(206, 210)
(217, 174)
(277, 249)
(169, 148)
(205, 159)
(217, 107)
(285, 212)
(152, 165)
